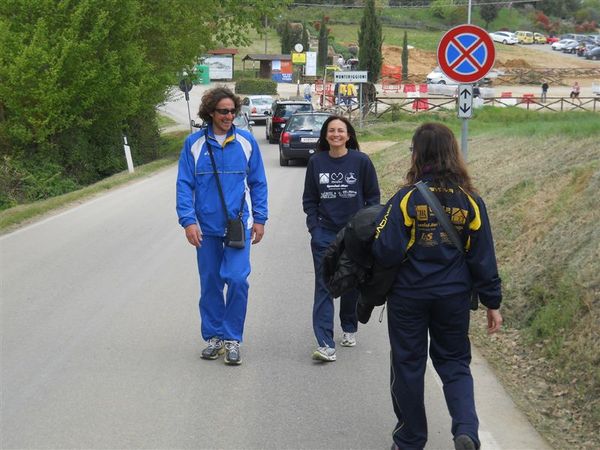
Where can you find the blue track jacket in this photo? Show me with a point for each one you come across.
(431, 267)
(242, 175)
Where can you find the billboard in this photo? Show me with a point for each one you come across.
(221, 67)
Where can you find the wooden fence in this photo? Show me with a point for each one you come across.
(414, 105)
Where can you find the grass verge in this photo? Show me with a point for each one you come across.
(18, 215)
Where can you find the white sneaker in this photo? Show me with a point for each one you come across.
(324, 354)
(348, 340)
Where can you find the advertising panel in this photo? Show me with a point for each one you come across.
(220, 67)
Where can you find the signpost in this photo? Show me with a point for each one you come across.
(465, 101)
(466, 53)
(356, 76)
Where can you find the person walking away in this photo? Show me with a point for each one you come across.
(544, 91)
(350, 93)
(575, 92)
(307, 92)
(243, 190)
(340, 180)
(432, 290)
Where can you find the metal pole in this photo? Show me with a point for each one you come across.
(468, 18)
(463, 138)
(187, 100)
(265, 35)
(465, 122)
(360, 106)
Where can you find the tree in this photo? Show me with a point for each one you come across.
(370, 38)
(323, 42)
(559, 8)
(76, 75)
(286, 43)
(488, 12)
(305, 38)
(405, 57)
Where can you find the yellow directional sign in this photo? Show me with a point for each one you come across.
(298, 58)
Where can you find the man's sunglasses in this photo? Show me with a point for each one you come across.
(225, 111)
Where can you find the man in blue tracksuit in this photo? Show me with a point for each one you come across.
(200, 209)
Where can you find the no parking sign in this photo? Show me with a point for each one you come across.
(466, 53)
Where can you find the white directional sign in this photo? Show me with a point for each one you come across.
(356, 76)
(465, 101)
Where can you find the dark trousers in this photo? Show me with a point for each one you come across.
(447, 321)
(323, 309)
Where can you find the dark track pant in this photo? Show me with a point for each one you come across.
(447, 321)
(323, 309)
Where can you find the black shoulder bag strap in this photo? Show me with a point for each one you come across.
(442, 218)
(212, 161)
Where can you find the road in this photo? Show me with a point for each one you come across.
(101, 346)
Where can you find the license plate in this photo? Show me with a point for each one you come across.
(309, 140)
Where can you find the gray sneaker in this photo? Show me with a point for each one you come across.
(326, 354)
(232, 353)
(214, 348)
(348, 340)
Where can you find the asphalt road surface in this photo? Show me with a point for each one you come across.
(101, 343)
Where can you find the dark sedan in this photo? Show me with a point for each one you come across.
(300, 135)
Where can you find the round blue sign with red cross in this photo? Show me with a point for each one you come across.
(466, 53)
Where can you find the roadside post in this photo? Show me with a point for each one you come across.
(298, 60)
(466, 54)
(186, 85)
(355, 76)
(128, 158)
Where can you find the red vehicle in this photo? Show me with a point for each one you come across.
(552, 39)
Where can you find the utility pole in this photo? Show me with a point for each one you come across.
(265, 35)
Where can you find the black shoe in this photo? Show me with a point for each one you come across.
(232, 353)
(464, 442)
(214, 349)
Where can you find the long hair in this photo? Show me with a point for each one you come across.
(435, 152)
(212, 97)
(323, 145)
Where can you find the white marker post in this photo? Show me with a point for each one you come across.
(128, 155)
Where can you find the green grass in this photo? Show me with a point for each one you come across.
(169, 147)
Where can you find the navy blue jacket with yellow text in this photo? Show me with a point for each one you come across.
(431, 266)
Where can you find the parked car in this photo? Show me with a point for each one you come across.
(257, 107)
(300, 136)
(575, 37)
(584, 47)
(539, 38)
(243, 122)
(524, 37)
(504, 37)
(436, 76)
(552, 39)
(281, 110)
(593, 54)
(561, 44)
(570, 47)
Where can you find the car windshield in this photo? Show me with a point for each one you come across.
(240, 121)
(288, 110)
(262, 101)
(307, 123)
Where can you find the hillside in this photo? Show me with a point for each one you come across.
(540, 182)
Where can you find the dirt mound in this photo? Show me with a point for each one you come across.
(520, 63)
(420, 62)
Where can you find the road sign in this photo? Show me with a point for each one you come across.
(357, 76)
(466, 53)
(465, 101)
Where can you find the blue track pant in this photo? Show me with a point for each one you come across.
(323, 308)
(218, 265)
(447, 321)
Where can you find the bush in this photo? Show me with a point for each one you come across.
(256, 87)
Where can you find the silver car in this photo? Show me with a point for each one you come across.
(257, 107)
